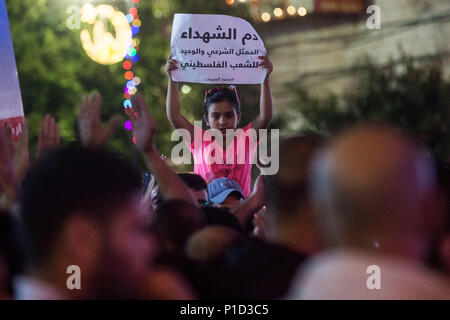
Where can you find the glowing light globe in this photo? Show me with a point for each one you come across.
(103, 47)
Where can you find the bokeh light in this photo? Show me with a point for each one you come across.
(302, 11)
(127, 65)
(186, 89)
(128, 125)
(103, 47)
(137, 80)
(135, 58)
(133, 11)
(278, 12)
(129, 75)
(134, 30)
(127, 103)
(291, 10)
(265, 17)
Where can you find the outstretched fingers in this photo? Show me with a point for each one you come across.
(96, 105)
(136, 110)
(24, 136)
(83, 106)
(4, 146)
(52, 129)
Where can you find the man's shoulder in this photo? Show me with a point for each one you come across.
(345, 274)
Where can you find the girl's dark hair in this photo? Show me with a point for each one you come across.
(227, 94)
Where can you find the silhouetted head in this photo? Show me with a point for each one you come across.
(83, 207)
(374, 188)
(197, 185)
(291, 219)
(222, 217)
(210, 244)
(288, 190)
(175, 221)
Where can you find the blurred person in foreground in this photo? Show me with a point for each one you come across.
(14, 163)
(376, 195)
(82, 207)
(174, 222)
(265, 269)
(209, 244)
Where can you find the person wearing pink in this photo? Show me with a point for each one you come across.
(214, 157)
(235, 162)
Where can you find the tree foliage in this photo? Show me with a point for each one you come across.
(410, 94)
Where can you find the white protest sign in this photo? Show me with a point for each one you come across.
(214, 48)
(11, 110)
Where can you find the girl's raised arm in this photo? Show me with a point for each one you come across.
(176, 119)
(262, 121)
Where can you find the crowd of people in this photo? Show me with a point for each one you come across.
(367, 198)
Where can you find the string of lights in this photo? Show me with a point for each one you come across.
(271, 10)
(266, 11)
(131, 58)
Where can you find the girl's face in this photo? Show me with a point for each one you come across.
(222, 115)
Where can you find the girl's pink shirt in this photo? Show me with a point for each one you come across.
(235, 163)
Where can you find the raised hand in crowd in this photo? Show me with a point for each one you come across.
(144, 126)
(21, 156)
(7, 176)
(173, 108)
(262, 121)
(254, 202)
(266, 63)
(93, 133)
(49, 137)
(144, 131)
(170, 66)
(14, 162)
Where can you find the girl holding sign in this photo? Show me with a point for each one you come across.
(222, 112)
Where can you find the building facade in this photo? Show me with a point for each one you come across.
(322, 49)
